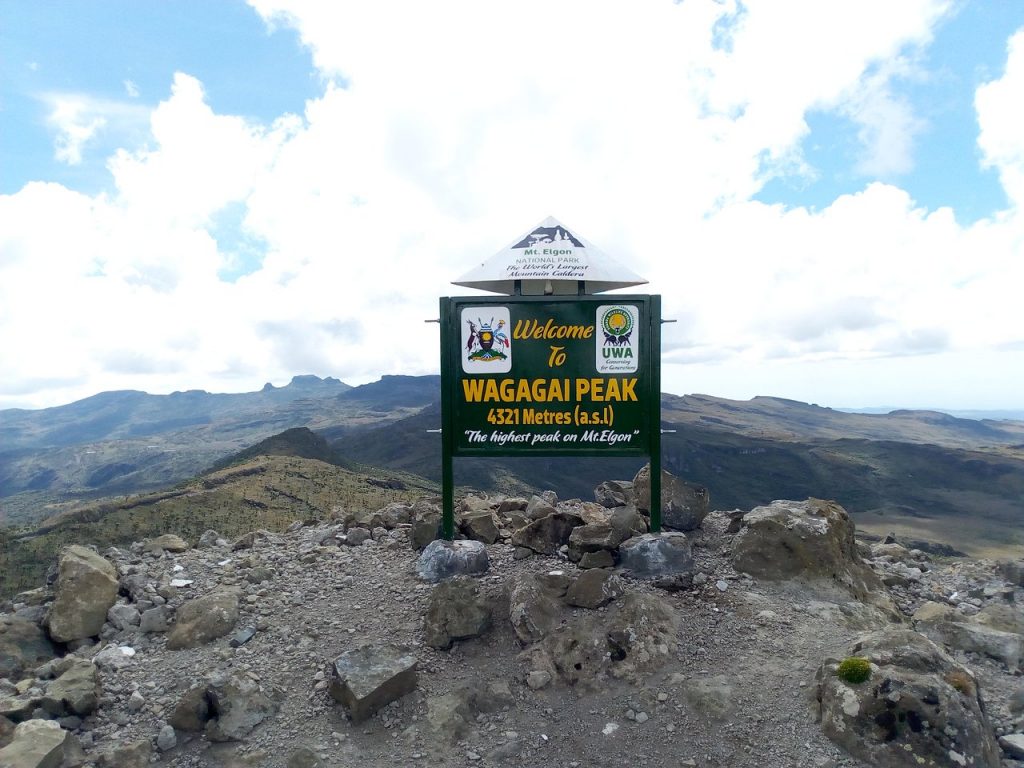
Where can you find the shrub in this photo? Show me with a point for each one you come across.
(854, 670)
(962, 681)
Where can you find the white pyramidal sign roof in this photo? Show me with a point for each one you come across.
(550, 259)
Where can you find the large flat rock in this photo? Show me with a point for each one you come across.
(365, 679)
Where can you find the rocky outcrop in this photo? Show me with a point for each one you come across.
(86, 588)
(683, 505)
(365, 679)
(457, 611)
(204, 619)
(919, 707)
(631, 638)
(807, 540)
(984, 633)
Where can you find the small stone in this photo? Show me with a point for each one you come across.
(662, 696)
(721, 586)
(641, 717)
(166, 739)
(136, 702)
(538, 678)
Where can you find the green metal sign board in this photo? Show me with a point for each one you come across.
(551, 376)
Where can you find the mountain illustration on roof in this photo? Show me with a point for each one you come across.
(550, 259)
(542, 234)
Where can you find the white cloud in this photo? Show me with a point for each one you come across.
(438, 139)
(131, 89)
(1002, 121)
(78, 119)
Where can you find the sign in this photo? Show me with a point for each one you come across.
(550, 376)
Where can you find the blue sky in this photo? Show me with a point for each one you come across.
(128, 51)
(219, 194)
(945, 168)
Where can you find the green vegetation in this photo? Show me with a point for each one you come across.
(265, 492)
(854, 670)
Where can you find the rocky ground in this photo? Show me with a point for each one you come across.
(719, 651)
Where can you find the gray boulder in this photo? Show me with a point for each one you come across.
(209, 539)
(539, 507)
(123, 616)
(237, 704)
(594, 588)
(546, 535)
(602, 559)
(86, 588)
(1013, 745)
(76, 692)
(615, 493)
(442, 559)
(365, 679)
(480, 526)
(513, 504)
(533, 606)
(192, 712)
(18, 707)
(807, 540)
(596, 537)
(426, 524)
(156, 619)
(6, 732)
(23, 646)
(38, 744)
(683, 505)
(396, 514)
(654, 555)
(456, 611)
(204, 619)
(919, 707)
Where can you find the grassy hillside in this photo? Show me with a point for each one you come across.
(265, 492)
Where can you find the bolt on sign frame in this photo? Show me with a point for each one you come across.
(550, 376)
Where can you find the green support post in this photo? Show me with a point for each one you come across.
(654, 414)
(447, 426)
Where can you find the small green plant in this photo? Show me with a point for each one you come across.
(854, 670)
